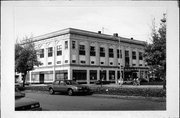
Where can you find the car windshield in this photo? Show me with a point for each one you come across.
(71, 83)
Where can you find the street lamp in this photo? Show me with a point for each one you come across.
(101, 77)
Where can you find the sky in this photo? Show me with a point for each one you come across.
(126, 21)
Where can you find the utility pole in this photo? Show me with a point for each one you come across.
(54, 54)
(120, 60)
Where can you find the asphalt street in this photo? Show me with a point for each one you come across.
(59, 102)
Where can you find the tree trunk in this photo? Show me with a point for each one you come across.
(164, 78)
(24, 78)
(164, 83)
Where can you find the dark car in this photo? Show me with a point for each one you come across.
(23, 103)
(19, 85)
(69, 86)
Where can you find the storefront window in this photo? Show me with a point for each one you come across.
(93, 74)
(103, 75)
(79, 74)
(62, 74)
(111, 75)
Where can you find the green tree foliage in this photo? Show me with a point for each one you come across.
(155, 52)
(25, 57)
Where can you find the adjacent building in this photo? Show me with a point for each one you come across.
(87, 57)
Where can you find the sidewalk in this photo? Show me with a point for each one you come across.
(158, 99)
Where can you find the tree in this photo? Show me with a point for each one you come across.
(25, 57)
(155, 52)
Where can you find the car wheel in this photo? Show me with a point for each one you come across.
(70, 92)
(51, 91)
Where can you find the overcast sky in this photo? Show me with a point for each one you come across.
(126, 21)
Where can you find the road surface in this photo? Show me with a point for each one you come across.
(84, 103)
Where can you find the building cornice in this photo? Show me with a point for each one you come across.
(88, 34)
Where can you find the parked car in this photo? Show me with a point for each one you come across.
(23, 103)
(69, 86)
(19, 85)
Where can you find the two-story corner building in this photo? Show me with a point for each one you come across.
(87, 57)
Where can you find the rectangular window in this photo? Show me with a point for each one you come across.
(111, 75)
(41, 53)
(50, 52)
(102, 52)
(133, 55)
(102, 62)
(134, 64)
(111, 63)
(140, 56)
(83, 62)
(82, 50)
(93, 74)
(66, 44)
(111, 53)
(66, 61)
(49, 63)
(58, 62)
(92, 62)
(126, 53)
(127, 60)
(73, 61)
(73, 44)
(92, 51)
(118, 53)
(59, 50)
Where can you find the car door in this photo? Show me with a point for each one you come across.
(56, 85)
(62, 86)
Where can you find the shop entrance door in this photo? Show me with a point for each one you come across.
(41, 78)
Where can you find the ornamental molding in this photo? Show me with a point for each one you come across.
(47, 43)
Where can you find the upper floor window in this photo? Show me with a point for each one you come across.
(111, 53)
(102, 52)
(66, 44)
(82, 50)
(50, 52)
(73, 44)
(59, 50)
(126, 53)
(133, 55)
(140, 56)
(119, 54)
(92, 51)
(41, 53)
